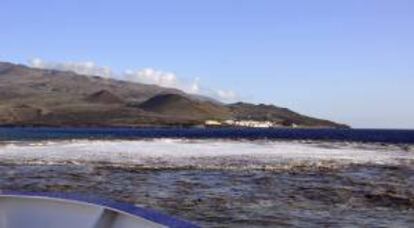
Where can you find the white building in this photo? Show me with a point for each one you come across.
(241, 123)
(253, 123)
(212, 123)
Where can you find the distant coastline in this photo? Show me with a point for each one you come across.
(50, 98)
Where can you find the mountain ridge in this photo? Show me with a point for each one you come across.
(42, 97)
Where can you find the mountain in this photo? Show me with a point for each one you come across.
(105, 97)
(36, 97)
(282, 116)
(177, 105)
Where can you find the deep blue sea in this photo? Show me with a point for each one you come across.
(355, 135)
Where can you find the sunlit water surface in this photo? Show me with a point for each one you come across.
(215, 183)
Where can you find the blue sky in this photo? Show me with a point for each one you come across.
(350, 61)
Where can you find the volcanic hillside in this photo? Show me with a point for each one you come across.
(36, 97)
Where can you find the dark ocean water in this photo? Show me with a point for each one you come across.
(225, 177)
(357, 135)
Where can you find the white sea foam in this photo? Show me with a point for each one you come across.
(176, 153)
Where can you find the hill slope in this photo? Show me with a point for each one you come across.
(282, 116)
(174, 104)
(35, 97)
(105, 97)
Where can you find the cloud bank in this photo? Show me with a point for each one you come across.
(147, 76)
(86, 68)
(162, 78)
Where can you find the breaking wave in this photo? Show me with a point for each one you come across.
(205, 154)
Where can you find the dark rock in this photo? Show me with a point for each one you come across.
(105, 97)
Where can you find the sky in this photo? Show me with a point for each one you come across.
(349, 61)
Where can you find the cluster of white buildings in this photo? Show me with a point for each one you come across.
(242, 123)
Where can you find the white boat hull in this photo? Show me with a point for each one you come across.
(42, 211)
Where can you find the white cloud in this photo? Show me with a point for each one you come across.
(152, 76)
(162, 78)
(86, 68)
(147, 76)
(195, 88)
(226, 95)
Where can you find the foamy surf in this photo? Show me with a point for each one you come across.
(204, 154)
